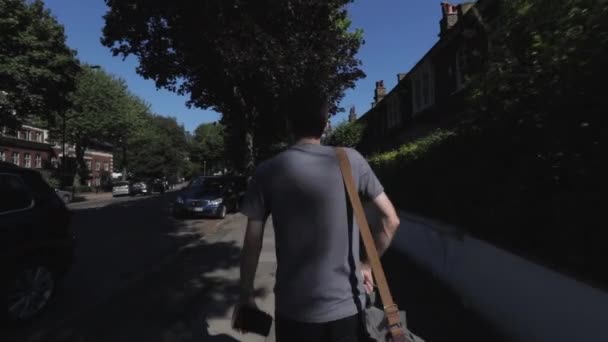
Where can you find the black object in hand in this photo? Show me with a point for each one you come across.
(249, 319)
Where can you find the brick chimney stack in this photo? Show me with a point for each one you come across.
(380, 92)
(450, 17)
(352, 116)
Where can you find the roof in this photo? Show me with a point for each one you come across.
(34, 145)
(448, 36)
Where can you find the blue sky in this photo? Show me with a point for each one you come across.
(397, 34)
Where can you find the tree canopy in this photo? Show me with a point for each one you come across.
(347, 134)
(158, 149)
(208, 145)
(244, 59)
(102, 111)
(37, 68)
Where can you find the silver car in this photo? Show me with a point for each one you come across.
(121, 189)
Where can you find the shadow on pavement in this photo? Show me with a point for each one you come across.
(130, 283)
(170, 305)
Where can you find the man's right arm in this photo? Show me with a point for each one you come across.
(383, 235)
(389, 222)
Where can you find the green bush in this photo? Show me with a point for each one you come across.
(346, 134)
(493, 183)
(52, 180)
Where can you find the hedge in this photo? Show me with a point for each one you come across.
(499, 190)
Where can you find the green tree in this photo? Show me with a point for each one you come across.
(159, 149)
(37, 68)
(208, 146)
(244, 59)
(347, 134)
(102, 111)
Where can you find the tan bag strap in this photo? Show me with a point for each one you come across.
(390, 308)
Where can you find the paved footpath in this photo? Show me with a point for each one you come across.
(193, 298)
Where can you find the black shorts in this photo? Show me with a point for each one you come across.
(349, 329)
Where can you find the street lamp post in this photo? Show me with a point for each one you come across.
(204, 167)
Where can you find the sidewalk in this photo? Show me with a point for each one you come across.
(92, 196)
(193, 298)
(189, 300)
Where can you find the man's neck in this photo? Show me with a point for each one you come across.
(314, 141)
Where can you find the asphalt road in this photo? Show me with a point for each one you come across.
(119, 240)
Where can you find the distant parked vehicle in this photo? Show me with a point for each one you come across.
(158, 186)
(121, 188)
(206, 196)
(66, 196)
(36, 243)
(139, 188)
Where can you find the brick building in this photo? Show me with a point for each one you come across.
(98, 158)
(430, 94)
(31, 147)
(27, 147)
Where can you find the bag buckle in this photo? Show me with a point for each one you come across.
(391, 308)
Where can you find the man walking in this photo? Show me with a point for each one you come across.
(320, 280)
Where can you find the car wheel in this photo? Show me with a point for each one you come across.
(29, 292)
(223, 211)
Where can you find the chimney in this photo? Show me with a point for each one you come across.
(450, 17)
(401, 76)
(380, 92)
(352, 116)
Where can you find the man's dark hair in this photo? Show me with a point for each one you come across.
(308, 112)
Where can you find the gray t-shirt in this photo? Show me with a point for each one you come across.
(317, 241)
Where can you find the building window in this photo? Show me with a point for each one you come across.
(424, 88)
(106, 166)
(28, 135)
(16, 158)
(417, 94)
(38, 161)
(89, 167)
(54, 162)
(2, 156)
(27, 160)
(426, 80)
(97, 166)
(38, 137)
(461, 68)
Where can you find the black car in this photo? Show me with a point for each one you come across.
(36, 244)
(206, 196)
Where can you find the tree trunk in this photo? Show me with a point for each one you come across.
(83, 170)
(124, 162)
(249, 153)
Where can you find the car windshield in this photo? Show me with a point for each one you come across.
(198, 181)
(121, 183)
(211, 188)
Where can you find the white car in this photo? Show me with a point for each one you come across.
(121, 189)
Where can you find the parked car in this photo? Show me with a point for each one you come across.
(121, 188)
(66, 196)
(139, 188)
(206, 196)
(158, 186)
(36, 243)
